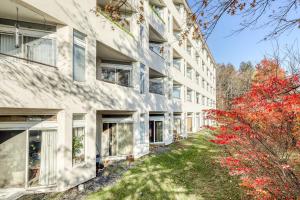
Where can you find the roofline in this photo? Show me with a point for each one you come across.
(202, 39)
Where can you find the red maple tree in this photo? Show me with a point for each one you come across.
(261, 134)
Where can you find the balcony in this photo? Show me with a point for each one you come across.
(156, 19)
(37, 46)
(156, 82)
(113, 67)
(126, 14)
(157, 48)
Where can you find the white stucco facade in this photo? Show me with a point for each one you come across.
(31, 87)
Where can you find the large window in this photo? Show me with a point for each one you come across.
(78, 139)
(78, 56)
(156, 86)
(41, 49)
(116, 73)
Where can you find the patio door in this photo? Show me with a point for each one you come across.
(28, 154)
(117, 138)
(155, 131)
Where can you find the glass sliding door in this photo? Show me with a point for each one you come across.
(13, 158)
(155, 131)
(41, 158)
(117, 139)
(151, 131)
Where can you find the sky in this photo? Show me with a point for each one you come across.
(247, 45)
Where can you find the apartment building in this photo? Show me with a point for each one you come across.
(77, 87)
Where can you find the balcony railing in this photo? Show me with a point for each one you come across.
(157, 49)
(156, 86)
(123, 24)
(157, 11)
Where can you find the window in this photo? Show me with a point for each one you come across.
(78, 56)
(142, 35)
(116, 73)
(176, 92)
(189, 96)
(177, 64)
(123, 77)
(156, 86)
(142, 78)
(78, 139)
(142, 129)
(38, 49)
(198, 98)
(189, 73)
(203, 100)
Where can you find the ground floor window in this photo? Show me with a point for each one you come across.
(78, 139)
(155, 131)
(117, 139)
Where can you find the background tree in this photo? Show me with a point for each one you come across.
(232, 82)
(261, 134)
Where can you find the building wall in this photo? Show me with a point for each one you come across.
(26, 86)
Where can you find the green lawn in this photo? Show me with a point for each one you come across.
(187, 171)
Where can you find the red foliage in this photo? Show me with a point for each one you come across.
(261, 133)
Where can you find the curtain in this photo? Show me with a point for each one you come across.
(8, 45)
(48, 158)
(125, 138)
(40, 50)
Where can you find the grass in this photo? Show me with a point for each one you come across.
(187, 171)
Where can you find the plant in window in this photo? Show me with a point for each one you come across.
(77, 147)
